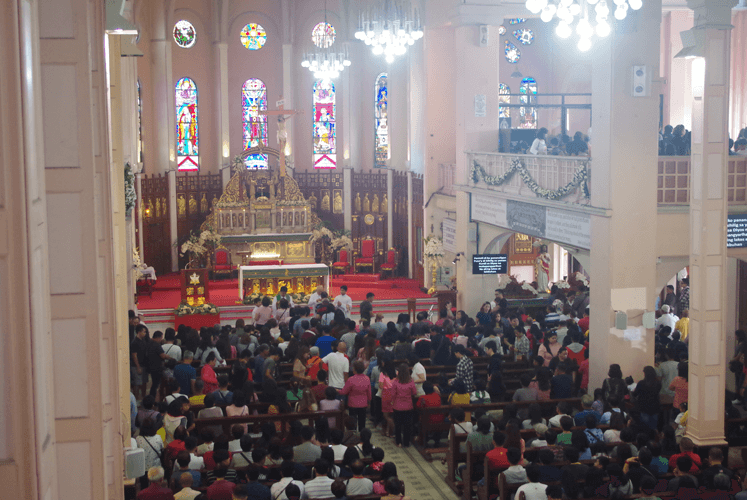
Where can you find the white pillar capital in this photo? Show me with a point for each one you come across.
(712, 13)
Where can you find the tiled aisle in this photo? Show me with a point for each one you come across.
(423, 480)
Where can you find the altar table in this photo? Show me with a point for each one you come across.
(284, 272)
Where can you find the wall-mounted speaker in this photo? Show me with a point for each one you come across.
(484, 35)
(640, 82)
(134, 463)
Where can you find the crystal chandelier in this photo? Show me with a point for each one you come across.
(390, 28)
(323, 61)
(579, 12)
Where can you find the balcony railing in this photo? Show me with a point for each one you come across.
(555, 172)
(550, 173)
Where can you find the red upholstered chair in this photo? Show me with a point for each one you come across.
(367, 256)
(222, 261)
(390, 265)
(343, 262)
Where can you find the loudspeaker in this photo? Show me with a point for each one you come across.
(640, 82)
(484, 35)
(649, 320)
(134, 463)
(621, 320)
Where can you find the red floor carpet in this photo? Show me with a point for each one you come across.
(224, 293)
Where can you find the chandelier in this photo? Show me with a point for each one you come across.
(579, 12)
(323, 61)
(390, 28)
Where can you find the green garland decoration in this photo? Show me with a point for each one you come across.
(130, 194)
(580, 179)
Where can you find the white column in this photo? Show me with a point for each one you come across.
(163, 88)
(348, 109)
(347, 202)
(708, 211)
(417, 93)
(410, 236)
(173, 221)
(389, 207)
(288, 91)
(397, 112)
(624, 182)
(139, 240)
(224, 151)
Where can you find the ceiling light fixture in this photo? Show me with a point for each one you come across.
(389, 28)
(323, 61)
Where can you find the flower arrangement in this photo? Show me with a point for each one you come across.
(137, 265)
(130, 194)
(197, 246)
(341, 241)
(580, 179)
(184, 309)
(563, 285)
(578, 280)
(512, 288)
(434, 247)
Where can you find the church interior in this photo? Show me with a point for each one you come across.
(172, 163)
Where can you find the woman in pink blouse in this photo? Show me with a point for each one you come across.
(549, 348)
(358, 390)
(387, 376)
(403, 390)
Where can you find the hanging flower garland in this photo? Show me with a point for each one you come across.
(580, 179)
(130, 194)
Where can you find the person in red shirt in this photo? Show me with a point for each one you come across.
(431, 398)
(497, 459)
(686, 449)
(156, 490)
(583, 369)
(583, 323)
(321, 385)
(220, 489)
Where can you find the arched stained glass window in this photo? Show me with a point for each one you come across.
(381, 121)
(325, 147)
(187, 137)
(254, 100)
(503, 91)
(524, 35)
(528, 115)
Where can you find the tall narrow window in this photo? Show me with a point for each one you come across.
(139, 122)
(325, 148)
(254, 100)
(503, 98)
(382, 122)
(187, 138)
(528, 115)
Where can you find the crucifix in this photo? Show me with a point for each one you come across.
(282, 136)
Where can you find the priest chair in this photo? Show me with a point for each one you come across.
(390, 265)
(342, 265)
(366, 258)
(222, 261)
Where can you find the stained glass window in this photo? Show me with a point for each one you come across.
(187, 156)
(254, 100)
(323, 35)
(325, 148)
(139, 122)
(513, 54)
(253, 36)
(382, 122)
(184, 34)
(528, 115)
(501, 30)
(524, 35)
(517, 20)
(503, 91)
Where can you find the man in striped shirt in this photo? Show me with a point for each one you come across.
(321, 485)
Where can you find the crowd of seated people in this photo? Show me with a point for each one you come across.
(559, 145)
(322, 361)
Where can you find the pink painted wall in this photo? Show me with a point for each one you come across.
(440, 114)
(143, 19)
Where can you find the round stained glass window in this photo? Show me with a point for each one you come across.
(501, 30)
(184, 34)
(524, 35)
(253, 36)
(323, 35)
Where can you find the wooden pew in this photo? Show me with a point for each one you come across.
(284, 418)
(454, 456)
(474, 460)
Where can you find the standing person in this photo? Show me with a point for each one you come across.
(418, 372)
(138, 373)
(549, 348)
(208, 374)
(263, 313)
(483, 316)
(358, 390)
(539, 146)
(300, 369)
(315, 297)
(614, 387)
(366, 307)
(680, 385)
(496, 388)
(464, 368)
(282, 294)
(646, 396)
(344, 302)
(339, 366)
(185, 374)
(403, 390)
(154, 359)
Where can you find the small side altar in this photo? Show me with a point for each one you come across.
(299, 278)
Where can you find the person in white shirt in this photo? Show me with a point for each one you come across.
(282, 295)
(321, 485)
(196, 463)
(533, 490)
(666, 319)
(343, 301)
(186, 493)
(277, 490)
(315, 297)
(339, 366)
(418, 372)
(539, 147)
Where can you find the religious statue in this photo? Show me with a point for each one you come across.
(366, 204)
(312, 202)
(542, 265)
(375, 203)
(282, 137)
(270, 291)
(252, 188)
(158, 207)
(203, 204)
(182, 205)
(325, 202)
(337, 206)
(214, 201)
(384, 205)
(255, 286)
(192, 204)
(357, 202)
(164, 207)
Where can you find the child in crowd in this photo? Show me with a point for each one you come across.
(330, 403)
(681, 421)
(480, 395)
(237, 432)
(198, 398)
(460, 396)
(566, 423)
(377, 455)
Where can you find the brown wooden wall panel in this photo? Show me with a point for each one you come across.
(153, 207)
(195, 196)
(417, 226)
(370, 205)
(325, 191)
